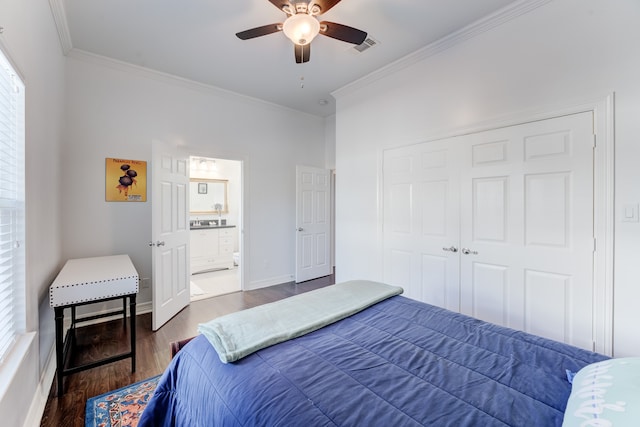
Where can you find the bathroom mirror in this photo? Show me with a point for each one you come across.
(205, 194)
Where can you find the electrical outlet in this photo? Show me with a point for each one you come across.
(145, 282)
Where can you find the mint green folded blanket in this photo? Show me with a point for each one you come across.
(239, 334)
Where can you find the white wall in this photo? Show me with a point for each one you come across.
(116, 110)
(32, 43)
(556, 56)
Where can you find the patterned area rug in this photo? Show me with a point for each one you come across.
(122, 407)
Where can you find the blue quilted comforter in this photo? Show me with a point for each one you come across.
(397, 363)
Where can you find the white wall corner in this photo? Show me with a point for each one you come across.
(60, 19)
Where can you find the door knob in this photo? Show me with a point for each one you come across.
(451, 249)
(158, 243)
(467, 251)
(300, 229)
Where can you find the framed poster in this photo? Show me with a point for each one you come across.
(126, 180)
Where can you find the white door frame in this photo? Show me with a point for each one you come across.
(603, 118)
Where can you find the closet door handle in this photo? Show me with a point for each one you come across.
(467, 251)
(451, 249)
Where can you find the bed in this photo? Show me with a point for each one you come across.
(394, 362)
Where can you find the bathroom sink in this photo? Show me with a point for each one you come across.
(204, 224)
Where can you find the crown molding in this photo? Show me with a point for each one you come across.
(60, 19)
(172, 79)
(474, 29)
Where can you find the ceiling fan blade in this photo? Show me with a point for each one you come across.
(259, 31)
(342, 32)
(281, 4)
(302, 53)
(324, 5)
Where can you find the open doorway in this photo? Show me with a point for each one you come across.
(215, 218)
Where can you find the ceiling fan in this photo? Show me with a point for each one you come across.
(301, 26)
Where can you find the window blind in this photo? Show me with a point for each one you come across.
(12, 232)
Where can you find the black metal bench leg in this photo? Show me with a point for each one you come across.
(132, 315)
(59, 316)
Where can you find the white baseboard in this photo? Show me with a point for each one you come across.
(269, 282)
(141, 308)
(144, 308)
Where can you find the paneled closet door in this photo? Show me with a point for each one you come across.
(421, 221)
(527, 227)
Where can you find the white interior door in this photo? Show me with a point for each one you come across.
(421, 221)
(527, 228)
(170, 232)
(313, 223)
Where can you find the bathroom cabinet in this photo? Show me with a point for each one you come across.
(212, 249)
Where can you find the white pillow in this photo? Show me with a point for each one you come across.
(605, 394)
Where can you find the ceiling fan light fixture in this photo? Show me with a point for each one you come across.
(301, 28)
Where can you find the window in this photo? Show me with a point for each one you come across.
(12, 207)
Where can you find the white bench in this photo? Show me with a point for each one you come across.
(87, 281)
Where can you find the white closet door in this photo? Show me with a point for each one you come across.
(421, 223)
(527, 228)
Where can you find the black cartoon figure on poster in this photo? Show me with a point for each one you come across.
(126, 180)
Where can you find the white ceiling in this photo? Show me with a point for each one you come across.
(195, 40)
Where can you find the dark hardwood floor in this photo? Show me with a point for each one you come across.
(153, 348)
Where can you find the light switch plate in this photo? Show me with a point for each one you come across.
(630, 213)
